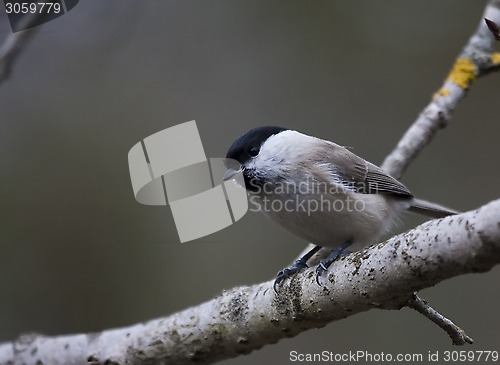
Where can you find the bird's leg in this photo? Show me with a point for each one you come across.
(334, 255)
(297, 266)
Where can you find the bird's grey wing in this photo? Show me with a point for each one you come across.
(358, 174)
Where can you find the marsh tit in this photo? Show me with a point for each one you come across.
(320, 191)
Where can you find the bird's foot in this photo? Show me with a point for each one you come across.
(297, 266)
(289, 271)
(335, 254)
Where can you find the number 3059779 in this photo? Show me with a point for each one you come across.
(32, 8)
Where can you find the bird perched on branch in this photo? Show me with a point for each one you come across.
(320, 191)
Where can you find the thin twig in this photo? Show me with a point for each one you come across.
(458, 335)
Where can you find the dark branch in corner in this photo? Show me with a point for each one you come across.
(493, 27)
(15, 43)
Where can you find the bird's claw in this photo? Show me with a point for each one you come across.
(321, 269)
(335, 254)
(288, 272)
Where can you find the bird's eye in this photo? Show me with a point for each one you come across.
(253, 151)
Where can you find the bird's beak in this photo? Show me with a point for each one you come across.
(233, 167)
(230, 173)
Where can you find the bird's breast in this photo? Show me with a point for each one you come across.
(329, 218)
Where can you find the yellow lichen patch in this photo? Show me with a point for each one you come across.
(495, 58)
(463, 72)
(443, 92)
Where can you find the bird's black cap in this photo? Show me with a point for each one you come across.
(248, 145)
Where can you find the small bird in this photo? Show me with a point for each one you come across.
(320, 191)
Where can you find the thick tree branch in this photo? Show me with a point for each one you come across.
(246, 318)
(476, 59)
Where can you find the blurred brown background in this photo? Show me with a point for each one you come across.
(79, 254)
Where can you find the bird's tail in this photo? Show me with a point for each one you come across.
(430, 209)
